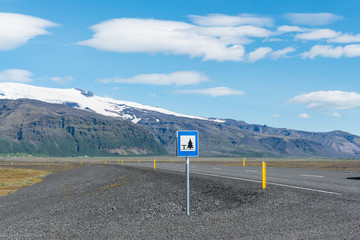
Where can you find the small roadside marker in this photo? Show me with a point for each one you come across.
(244, 163)
(154, 164)
(264, 174)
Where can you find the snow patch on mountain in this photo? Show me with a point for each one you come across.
(82, 99)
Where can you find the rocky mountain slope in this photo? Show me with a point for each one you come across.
(39, 128)
(236, 138)
(218, 137)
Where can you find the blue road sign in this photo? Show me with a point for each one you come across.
(187, 143)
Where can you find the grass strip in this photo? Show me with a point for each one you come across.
(12, 179)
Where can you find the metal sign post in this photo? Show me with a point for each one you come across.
(187, 169)
(187, 145)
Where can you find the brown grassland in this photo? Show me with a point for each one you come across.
(12, 179)
(19, 175)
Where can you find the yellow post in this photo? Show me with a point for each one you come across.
(244, 163)
(170, 160)
(81, 162)
(139, 160)
(122, 162)
(264, 174)
(105, 162)
(154, 164)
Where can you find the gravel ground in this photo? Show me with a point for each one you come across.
(114, 202)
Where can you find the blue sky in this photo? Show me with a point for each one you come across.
(291, 64)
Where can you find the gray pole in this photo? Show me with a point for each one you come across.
(187, 187)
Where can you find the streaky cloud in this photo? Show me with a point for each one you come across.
(312, 19)
(16, 75)
(232, 21)
(16, 29)
(213, 92)
(328, 100)
(178, 78)
(328, 51)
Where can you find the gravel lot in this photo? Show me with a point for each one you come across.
(115, 202)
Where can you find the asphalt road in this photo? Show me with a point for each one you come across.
(137, 202)
(327, 182)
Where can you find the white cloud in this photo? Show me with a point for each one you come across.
(237, 33)
(282, 53)
(177, 78)
(16, 75)
(168, 37)
(304, 116)
(62, 80)
(286, 29)
(17, 29)
(352, 50)
(329, 51)
(312, 19)
(273, 40)
(213, 92)
(324, 51)
(275, 115)
(221, 37)
(226, 20)
(336, 115)
(220, 43)
(328, 100)
(318, 34)
(258, 54)
(345, 38)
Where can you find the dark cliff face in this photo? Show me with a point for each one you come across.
(38, 128)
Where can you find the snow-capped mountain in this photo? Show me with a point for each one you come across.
(83, 99)
(218, 137)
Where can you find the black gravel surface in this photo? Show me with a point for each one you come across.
(115, 202)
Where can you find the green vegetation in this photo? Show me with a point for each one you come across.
(41, 129)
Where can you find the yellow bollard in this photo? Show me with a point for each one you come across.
(170, 160)
(264, 174)
(154, 164)
(244, 163)
(122, 162)
(105, 162)
(139, 160)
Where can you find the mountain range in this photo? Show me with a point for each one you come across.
(154, 129)
(44, 129)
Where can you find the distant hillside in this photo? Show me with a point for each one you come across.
(236, 138)
(217, 137)
(38, 128)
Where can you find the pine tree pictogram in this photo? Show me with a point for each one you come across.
(190, 145)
